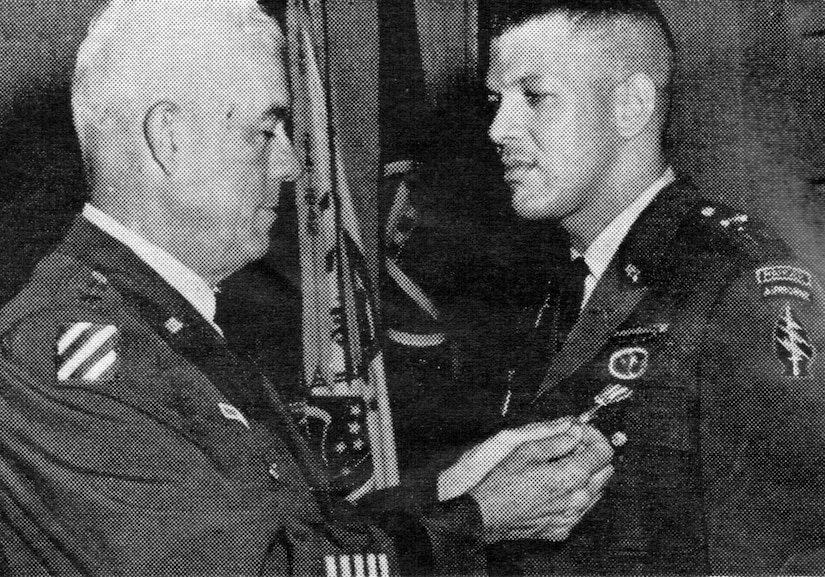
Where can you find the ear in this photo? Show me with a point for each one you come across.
(162, 130)
(635, 103)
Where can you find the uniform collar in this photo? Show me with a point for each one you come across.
(602, 250)
(180, 277)
(642, 256)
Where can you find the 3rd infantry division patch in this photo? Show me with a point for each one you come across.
(87, 351)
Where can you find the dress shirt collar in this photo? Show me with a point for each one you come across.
(180, 277)
(601, 251)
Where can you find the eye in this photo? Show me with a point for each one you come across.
(493, 103)
(534, 98)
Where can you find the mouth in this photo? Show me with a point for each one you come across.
(514, 171)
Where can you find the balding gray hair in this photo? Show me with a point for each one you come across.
(138, 52)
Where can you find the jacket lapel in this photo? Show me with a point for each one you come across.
(633, 273)
(189, 335)
(608, 307)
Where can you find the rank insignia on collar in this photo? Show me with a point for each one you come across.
(87, 351)
(628, 363)
(632, 273)
(794, 349)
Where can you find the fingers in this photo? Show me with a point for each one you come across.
(520, 447)
(578, 504)
(541, 431)
(568, 436)
(594, 451)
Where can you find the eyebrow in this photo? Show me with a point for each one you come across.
(277, 112)
(530, 78)
(521, 81)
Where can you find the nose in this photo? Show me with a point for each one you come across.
(285, 162)
(505, 123)
(294, 168)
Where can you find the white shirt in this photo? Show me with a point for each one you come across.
(602, 250)
(180, 277)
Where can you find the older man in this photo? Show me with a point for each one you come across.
(701, 314)
(133, 441)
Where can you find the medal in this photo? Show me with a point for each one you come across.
(609, 396)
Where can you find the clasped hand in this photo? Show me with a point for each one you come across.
(533, 482)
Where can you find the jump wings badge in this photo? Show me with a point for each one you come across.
(792, 345)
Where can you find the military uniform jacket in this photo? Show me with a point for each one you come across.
(134, 442)
(718, 331)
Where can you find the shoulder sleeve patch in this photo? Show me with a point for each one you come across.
(87, 351)
(794, 349)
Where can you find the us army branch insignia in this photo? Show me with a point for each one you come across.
(793, 348)
(87, 351)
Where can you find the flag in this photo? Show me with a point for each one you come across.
(411, 317)
(347, 413)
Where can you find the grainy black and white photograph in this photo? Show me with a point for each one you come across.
(374, 288)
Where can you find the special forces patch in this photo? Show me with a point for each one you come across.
(785, 282)
(87, 351)
(794, 349)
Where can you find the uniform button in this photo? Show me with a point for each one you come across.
(618, 439)
(274, 472)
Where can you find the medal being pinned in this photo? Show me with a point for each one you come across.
(609, 396)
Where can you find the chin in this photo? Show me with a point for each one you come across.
(534, 206)
(258, 250)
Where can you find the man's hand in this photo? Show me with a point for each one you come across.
(534, 482)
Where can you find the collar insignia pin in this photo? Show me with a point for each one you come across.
(632, 272)
(173, 325)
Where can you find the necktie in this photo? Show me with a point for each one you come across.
(571, 293)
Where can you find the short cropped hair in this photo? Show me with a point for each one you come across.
(138, 49)
(635, 30)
